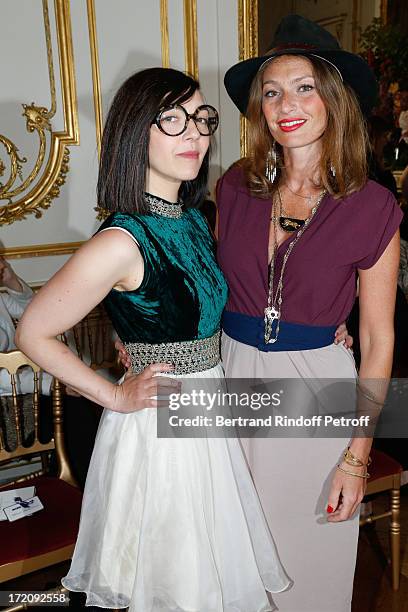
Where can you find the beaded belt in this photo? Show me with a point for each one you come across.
(187, 357)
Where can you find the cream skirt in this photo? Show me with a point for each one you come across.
(293, 476)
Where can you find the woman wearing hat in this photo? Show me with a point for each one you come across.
(298, 223)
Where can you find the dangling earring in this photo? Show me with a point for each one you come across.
(332, 170)
(270, 166)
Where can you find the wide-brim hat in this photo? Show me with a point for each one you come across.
(296, 35)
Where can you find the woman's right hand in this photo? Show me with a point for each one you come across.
(145, 390)
(123, 355)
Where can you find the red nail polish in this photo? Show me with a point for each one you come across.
(329, 509)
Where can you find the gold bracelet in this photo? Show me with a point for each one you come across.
(366, 475)
(351, 459)
(371, 399)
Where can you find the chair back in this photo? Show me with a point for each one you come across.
(93, 340)
(20, 422)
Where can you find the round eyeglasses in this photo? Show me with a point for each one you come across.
(173, 120)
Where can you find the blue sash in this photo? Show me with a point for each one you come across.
(292, 336)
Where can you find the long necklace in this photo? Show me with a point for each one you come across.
(163, 207)
(273, 310)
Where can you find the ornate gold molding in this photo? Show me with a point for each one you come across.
(53, 109)
(40, 250)
(96, 81)
(191, 37)
(248, 47)
(39, 197)
(96, 85)
(164, 28)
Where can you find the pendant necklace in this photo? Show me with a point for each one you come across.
(291, 224)
(274, 306)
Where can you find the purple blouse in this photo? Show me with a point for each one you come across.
(319, 283)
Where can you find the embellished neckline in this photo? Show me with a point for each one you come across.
(162, 207)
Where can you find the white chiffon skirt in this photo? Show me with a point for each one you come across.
(172, 524)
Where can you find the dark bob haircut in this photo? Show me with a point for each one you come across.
(125, 143)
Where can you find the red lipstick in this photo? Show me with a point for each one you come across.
(289, 125)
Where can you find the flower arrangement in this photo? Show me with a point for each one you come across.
(385, 49)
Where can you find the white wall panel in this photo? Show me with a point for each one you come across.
(176, 33)
(217, 50)
(129, 37)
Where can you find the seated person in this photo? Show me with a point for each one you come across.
(403, 268)
(379, 133)
(13, 302)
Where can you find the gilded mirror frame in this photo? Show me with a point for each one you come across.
(248, 47)
(36, 192)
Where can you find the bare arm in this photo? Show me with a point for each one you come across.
(378, 287)
(110, 259)
(377, 303)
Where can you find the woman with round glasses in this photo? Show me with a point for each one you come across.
(173, 120)
(166, 524)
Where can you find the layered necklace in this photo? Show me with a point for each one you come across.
(163, 207)
(274, 307)
(291, 224)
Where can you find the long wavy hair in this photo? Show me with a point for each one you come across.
(125, 143)
(344, 141)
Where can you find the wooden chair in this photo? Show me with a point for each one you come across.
(386, 476)
(48, 536)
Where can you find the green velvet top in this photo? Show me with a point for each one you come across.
(183, 291)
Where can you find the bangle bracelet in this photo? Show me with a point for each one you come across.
(366, 475)
(351, 459)
(371, 399)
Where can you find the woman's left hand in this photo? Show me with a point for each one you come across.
(342, 335)
(346, 493)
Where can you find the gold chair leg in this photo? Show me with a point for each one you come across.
(395, 537)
